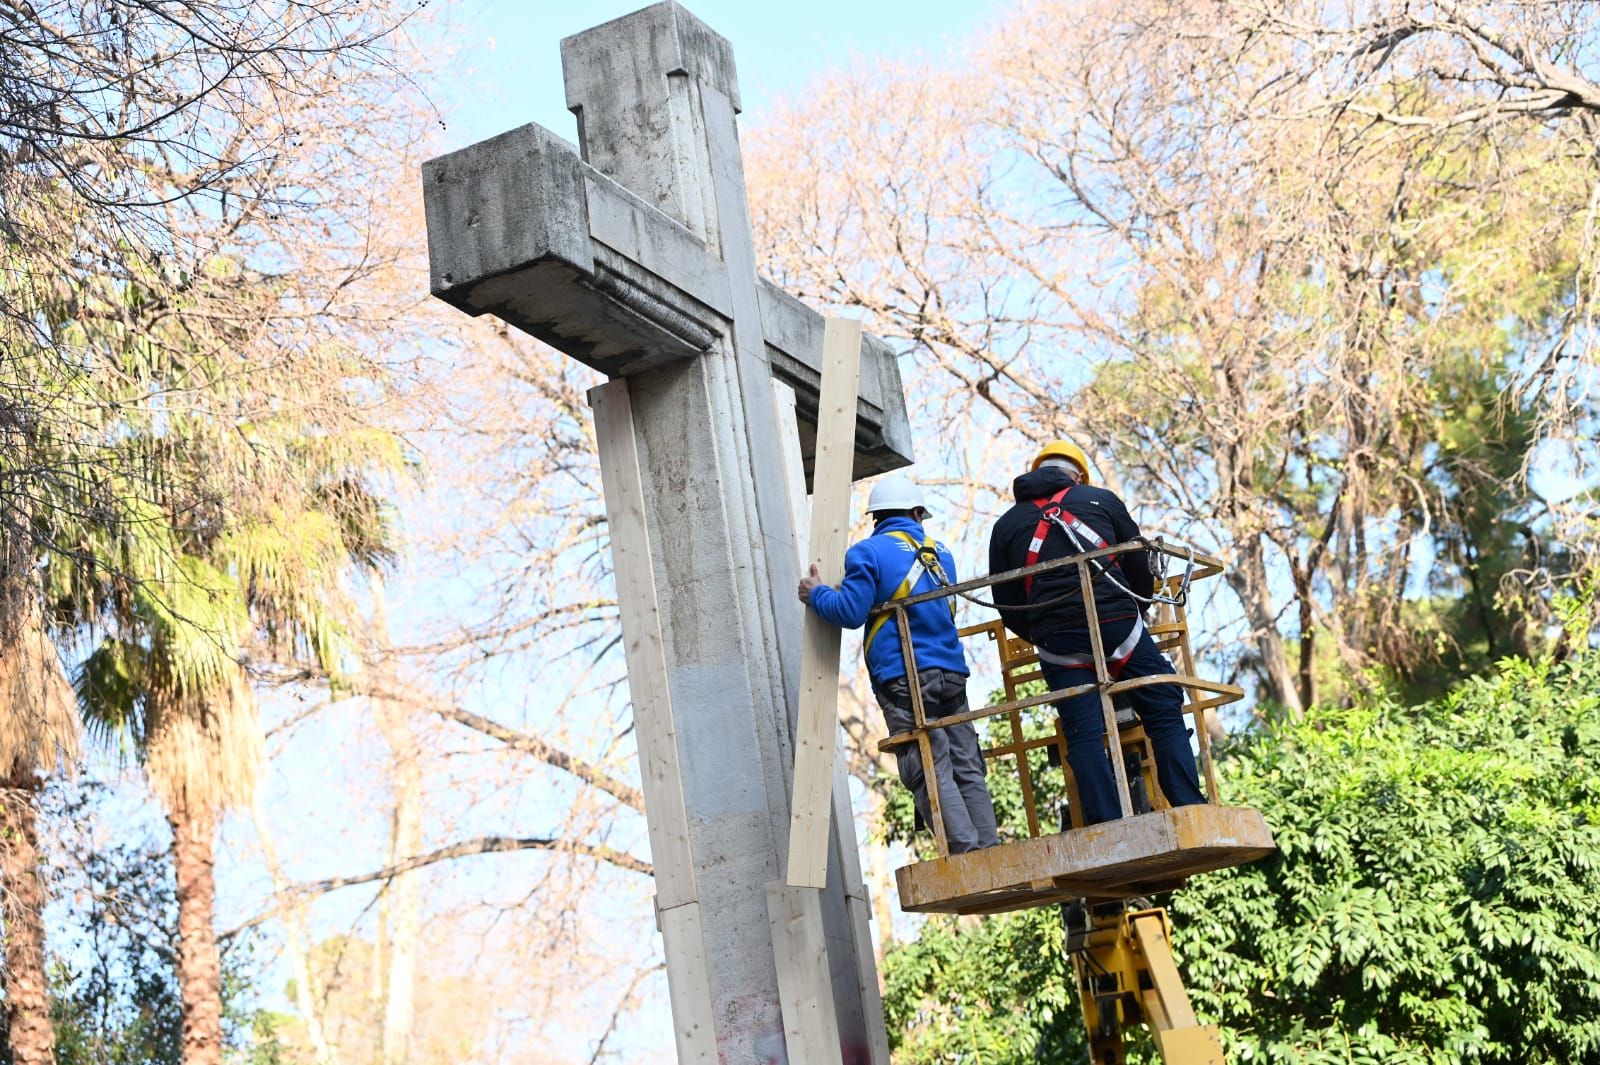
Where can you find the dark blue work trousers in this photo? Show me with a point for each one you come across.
(1160, 710)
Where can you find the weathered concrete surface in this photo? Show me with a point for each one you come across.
(638, 260)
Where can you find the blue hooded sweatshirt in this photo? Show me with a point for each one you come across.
(873, 569)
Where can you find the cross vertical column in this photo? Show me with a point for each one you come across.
(637, 259)
(656, 96)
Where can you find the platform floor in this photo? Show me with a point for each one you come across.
(1132, 856)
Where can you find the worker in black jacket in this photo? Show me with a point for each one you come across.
(1058, 513)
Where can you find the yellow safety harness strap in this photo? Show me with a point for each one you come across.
(913, 575)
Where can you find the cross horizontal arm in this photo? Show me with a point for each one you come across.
(519, 226)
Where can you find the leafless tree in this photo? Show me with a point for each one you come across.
(1201, 238)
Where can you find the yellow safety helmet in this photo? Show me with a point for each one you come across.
(1065, 449)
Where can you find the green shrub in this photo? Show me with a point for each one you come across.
(1435, 898)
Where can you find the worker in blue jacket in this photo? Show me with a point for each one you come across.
(897, 561)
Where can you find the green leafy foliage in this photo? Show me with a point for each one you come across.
(991, 990)
(1435, 898)
(1436, 895)
(115, 998)
(995, 990)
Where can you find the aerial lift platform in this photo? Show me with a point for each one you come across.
(1100, 875)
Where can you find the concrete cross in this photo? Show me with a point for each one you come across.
(638, 260)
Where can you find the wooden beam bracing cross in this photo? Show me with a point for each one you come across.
(677, 900)
(817, 734)
(856, 895)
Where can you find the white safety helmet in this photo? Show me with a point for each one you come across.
(895, 492)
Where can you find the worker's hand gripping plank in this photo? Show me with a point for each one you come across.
(815, 735)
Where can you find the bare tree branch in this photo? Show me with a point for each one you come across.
(547, 753)
(463, 849)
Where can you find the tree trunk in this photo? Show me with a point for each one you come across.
(27, 991)
(1282, 686)
(199, 962)
(297, 944)
(38, 722)
(402, 896)
(1248, 578)
(1308, 635)
(404, 892)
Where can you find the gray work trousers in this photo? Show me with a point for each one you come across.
(957, 758)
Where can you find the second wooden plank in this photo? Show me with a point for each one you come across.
(815, 734)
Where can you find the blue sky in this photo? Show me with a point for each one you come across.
(498, 62)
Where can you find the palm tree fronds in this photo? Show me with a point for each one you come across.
(204, 755)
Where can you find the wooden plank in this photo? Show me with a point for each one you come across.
(665, 813)
(677, 907)
(805, 990)
(689, 984)
(816, 734)
(860, 909)
(787, 426)
(855, 888)
(788, 429)
(666, 816)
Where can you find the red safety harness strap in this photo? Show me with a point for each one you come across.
(1052, 512)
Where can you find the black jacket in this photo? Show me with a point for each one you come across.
(1097, 508)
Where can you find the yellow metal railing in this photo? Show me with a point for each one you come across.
(1019, 665)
